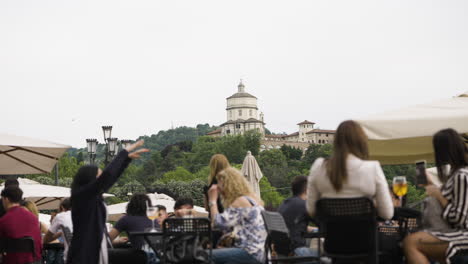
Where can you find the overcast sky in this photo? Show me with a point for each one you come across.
(69, 67)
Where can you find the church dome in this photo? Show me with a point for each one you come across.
(241, 92)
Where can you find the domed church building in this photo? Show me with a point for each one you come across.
(242, 114)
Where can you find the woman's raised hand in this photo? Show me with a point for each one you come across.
(133, 150)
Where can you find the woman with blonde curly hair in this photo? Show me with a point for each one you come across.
(242, 215)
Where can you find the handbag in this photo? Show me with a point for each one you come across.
(432, 216)
(186, 249)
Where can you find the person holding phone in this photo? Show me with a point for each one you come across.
(218, 162)
(420, 247)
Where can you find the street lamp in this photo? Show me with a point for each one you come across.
(92, 145)
(112, 145)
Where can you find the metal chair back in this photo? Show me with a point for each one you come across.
(349, 226)
(184, 229)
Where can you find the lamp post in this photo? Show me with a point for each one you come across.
(112, 146)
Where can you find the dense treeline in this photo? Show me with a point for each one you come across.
(178, 165)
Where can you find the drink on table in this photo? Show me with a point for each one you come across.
(152, 214)
(400, 186)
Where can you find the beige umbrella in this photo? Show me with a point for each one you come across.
(22, 155)
(252, 172)
(404, 136)
(46, 197)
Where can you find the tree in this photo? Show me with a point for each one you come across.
(179, 174)
(315, 151)
(233, 147)
(275, 167)
(270, 196)
(291, 153)
(252, 141)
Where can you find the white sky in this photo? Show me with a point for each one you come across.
(68, 67)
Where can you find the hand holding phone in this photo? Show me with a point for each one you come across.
(421, 177)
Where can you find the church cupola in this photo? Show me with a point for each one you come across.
(241, 87)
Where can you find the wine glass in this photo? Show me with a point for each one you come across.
(152, 214)
(400, 187)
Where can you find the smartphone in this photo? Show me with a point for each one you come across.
(421, 178)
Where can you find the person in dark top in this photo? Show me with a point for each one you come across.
(8, 182)
(295, 215)
(183, 206)
(218, 162)
(134, 221)
(88, 208)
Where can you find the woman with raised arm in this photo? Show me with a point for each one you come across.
(89, 243)
(451, 157)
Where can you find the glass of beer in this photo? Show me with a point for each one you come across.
(400, 187)
(152, 214)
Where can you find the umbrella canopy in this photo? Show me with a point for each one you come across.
(252, 172)
(22, 155)
(116, 211)
(404, 136)
(46, 197)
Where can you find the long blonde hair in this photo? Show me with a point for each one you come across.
(218, 163)
(234, 186)
(31, 207)
(349, 139)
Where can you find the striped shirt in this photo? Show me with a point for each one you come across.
(455, 190)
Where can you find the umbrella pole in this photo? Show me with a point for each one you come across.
(56, 174)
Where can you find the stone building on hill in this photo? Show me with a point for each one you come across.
(242, 114)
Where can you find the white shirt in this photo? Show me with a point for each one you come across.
(364, 178)
(62, 219)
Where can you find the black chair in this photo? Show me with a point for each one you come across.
(349, 226)
(18, 245)
(278, 235)
(67, 234)
(186, 240)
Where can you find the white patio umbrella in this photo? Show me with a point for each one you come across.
(22, 155)
(404, 136)
(252, 172)
(46, 197)
(116, 211)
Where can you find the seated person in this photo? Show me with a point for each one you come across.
(348, 173)
(8, 182)
(242, 212)
(62, 219)
(134, 221)
(19, 222)
(162, 213)
(183, 207)
(295, 215)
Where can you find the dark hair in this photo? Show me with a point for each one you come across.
(349, 139)
(299, 185)
(66, 204)
(183, 201)
(161, 207)
(449, 148)
(84, 176)
(11, 182)
(13, 193)
(137, 204)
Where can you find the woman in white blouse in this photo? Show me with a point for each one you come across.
(348, 173)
